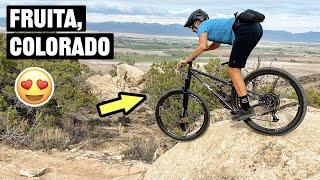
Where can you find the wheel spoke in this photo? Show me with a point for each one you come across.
(274, 84)
(287, 106)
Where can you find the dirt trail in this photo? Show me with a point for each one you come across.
(85, 161)
(68, 165)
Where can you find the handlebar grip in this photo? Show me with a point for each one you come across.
(190, 62)
(225, 63)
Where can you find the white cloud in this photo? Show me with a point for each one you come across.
(125, 8)
(291, 22)
(288, 15)
(286, 22)
(182, 11)
(98, 17)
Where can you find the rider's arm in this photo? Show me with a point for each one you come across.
(213, 46)
(203, 46)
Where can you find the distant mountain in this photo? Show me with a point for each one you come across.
(141, 28)
(179, 30)
(284, 36)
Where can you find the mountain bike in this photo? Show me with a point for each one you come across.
(277, 97)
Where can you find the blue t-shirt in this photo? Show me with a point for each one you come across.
(218, 30)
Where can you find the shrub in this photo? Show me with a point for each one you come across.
(313, 97)
(140, 149)
(165, 76)
(113, 71)
(50, 138)
(20, 124)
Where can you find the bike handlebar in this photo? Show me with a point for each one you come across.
(190, 62)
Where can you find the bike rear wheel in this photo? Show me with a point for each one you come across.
(182, 116)
(279, 100)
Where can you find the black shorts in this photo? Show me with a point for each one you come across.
(247, 37)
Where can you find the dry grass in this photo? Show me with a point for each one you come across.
(50, 138)
(140, 148)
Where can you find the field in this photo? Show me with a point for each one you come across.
(300, 59)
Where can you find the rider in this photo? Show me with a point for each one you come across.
(242, 36)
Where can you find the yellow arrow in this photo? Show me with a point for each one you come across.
(126, 103)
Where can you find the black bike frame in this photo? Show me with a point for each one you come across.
(196, 73)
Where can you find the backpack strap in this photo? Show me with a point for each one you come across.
(236, 15)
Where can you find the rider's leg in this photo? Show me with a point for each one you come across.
(237, 80)
(246, 38)
(245, 111)
(239, 85)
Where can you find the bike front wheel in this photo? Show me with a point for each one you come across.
(182, 115)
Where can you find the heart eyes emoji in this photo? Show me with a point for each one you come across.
(41, 84)
(26, 84)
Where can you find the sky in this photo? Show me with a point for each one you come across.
(294, 16)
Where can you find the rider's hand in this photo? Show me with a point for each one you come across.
(184, 62)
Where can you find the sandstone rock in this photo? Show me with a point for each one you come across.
(33, 173)
(104, 86)
(129, 79)
(129, 74)
(163, 147)
(230, 150)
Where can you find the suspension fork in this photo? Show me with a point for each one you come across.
(186, 87)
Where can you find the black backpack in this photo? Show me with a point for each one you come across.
(249, 16)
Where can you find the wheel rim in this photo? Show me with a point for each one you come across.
(280, 99)
(170, 114)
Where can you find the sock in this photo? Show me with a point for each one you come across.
(244, 102)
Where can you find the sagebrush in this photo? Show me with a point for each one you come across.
(165, 76)
(21, 125)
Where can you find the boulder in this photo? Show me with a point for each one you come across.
(129, 74)
(230, 150)
(163, 147)
(128, 79)
(104, 86)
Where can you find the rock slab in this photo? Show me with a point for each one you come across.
(230, 150)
